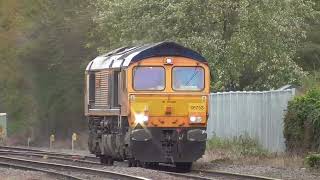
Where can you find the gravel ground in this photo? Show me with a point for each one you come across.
(15, 174)
(275, 172)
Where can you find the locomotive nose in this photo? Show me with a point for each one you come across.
(165, 110)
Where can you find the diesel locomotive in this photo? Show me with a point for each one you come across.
(148, 104)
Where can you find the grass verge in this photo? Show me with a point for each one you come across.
(244, 150)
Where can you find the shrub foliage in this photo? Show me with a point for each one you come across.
(239, 146)
(302, 123)
(313, 160)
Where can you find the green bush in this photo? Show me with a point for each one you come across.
(313, 160)
(302, 122)
(239, 146)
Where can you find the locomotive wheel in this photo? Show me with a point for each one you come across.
(155, 165)
(90, 144)
(103, 160)
(110, 161)
(134, 163)
(183, 166)
(150, 165)
(130, 163)
(106, 160)
(139, 164)
(145, 164)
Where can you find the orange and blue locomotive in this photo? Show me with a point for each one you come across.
(148, 104)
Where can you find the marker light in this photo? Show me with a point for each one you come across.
(141, 118)
(168, 61)
(132, 98)
(194, 119)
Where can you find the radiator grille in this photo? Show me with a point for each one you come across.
(102, 90)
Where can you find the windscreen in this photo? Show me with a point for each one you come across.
(149, 78)
(188, 78)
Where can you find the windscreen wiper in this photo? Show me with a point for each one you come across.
(193, 75)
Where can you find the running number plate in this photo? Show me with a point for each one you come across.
(197, 107)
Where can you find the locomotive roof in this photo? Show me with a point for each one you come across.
(125, 56)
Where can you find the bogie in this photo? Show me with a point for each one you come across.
(183, 166)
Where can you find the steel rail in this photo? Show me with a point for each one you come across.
(214, 173)
(49, 156)
(187, 176)
(56, 174)
(38, 151)
(59, 167)
(19, 148)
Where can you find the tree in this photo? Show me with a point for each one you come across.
(55, 57)
(309, 54)
(42, 59)
(15, 88)
(250, 45)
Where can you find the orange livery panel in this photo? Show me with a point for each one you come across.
(168, 110)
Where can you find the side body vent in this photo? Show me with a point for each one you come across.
(102, 80)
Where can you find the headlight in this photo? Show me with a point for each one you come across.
(141, 118)
(195, 119)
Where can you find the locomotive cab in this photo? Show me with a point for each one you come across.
(168, 109)
(148, 105)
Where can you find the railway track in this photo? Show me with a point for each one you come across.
(56, 168)
(50, 156)
(211, 174)
(194, 174)
(53, 173)
(3, 149)
(230, 175)
(19, 149)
